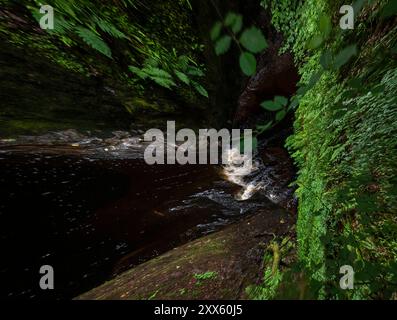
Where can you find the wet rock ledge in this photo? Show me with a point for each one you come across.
(218, 266)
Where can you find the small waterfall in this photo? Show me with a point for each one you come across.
(243, 171)
(254, 176)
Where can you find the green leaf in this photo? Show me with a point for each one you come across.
(183, 77)
(200, 89)
(315, 42)
(183, 63)
(161, 77)
(216, 31)
(230, 18)
(164, 82)
(271, 106)
(138, 72)
(325, 26)
(281, 100)
(344, 56)
(151, 62)
(238, 24)
(223, 45)
(36, 13)
(337, 152)
(157, 72)
(253, 40)
(94, 41)
(61, 26)
(326, 60)
(234, 21)
(194, 71)
(281, 115)
(248, 63)
(109, 28)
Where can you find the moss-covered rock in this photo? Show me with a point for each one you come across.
(218, 266)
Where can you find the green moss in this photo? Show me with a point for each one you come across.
(345, 146)
(202, 277)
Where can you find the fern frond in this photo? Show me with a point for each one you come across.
(141, 74)
(164, 82)
(151, 62)
(94, 41)
(61, 26)
(183, 77)
(200, 89)
(183, 63)
(69, 8)
(194, 71)
(128, 3)
(109, 28)
(158, 73)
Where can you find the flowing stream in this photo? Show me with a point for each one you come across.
(91, 208)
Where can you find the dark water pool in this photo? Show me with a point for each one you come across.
(91, 218)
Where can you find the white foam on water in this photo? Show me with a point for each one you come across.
(238, 168)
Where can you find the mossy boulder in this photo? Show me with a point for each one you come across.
(218, 266)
